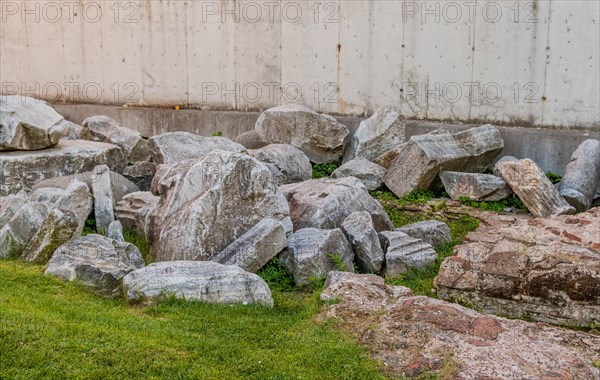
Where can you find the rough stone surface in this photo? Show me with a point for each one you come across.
(196, 281)
(10, 205)
(29, 124)
(288, 164)
(319, 136)
(544, 269)
(48, 195)
(22, 170)
(254, 249)
(59, 227)
(530, 184)
(414, 335)
(325, 203)
(582, 176)
(423, 157)
(105, 129)
(132, 210)
(20, 229)
(431, 231)
(250, 140)
(310, 254)
(120, 185)
(503, 159)
(206, 205)
(77, 199)
(403, 252)
(370, 174)
(140, 174)
(358, 228)
(174, 147)
(385, 160)
(377, 135)
(103, 198)
(115, 231)
(95, 261)
(478, 187)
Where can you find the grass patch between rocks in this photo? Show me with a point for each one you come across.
(421, 280)
(54, 330)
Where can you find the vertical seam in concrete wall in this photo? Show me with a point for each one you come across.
(339, 58)
(235, 52)
(103, 66)
(547, 53)
(474, 40)
(187, 60)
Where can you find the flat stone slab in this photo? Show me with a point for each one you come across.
(417, 336)
(196, 281)
(546, 269)
(23, 169)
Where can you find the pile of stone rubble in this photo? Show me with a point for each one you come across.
(216, 211)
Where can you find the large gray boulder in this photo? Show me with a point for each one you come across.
(174, 147)
(319, 136)
(77, 199)
(132, 210)
(325, 203)
(58, 228)
(532, 186)
(105, 129)
(10, 205)
(48, 195)
(582, 176)
(431, 231)
(120, 185)
(403, 252)
(496, 170)
(140, 174)
(254, 249)
(377, 135)
(196, 281)
(312, 253)
(20, 229)
(369, 173)
(422, 158)
(30, 124)
(206, 205)
(95, 261)
(23, 170)
(288, 164)
(104, 200)
(251, 140)
(358, 228)
(475, 186)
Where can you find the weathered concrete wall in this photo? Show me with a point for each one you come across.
(513, 62)
(550, 148)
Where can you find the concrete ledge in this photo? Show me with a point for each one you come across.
(550, 148)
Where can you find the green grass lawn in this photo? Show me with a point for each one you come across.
(53, 330)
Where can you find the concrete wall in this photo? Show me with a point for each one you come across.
(512, 62)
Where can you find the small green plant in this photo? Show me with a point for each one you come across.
(338, 261)
(553, 177)
(419, 196)
(324, 170)
(513, 202)
(596, 363)
(141, 243)
(276, 276)
(218, 134)
(89, 227)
